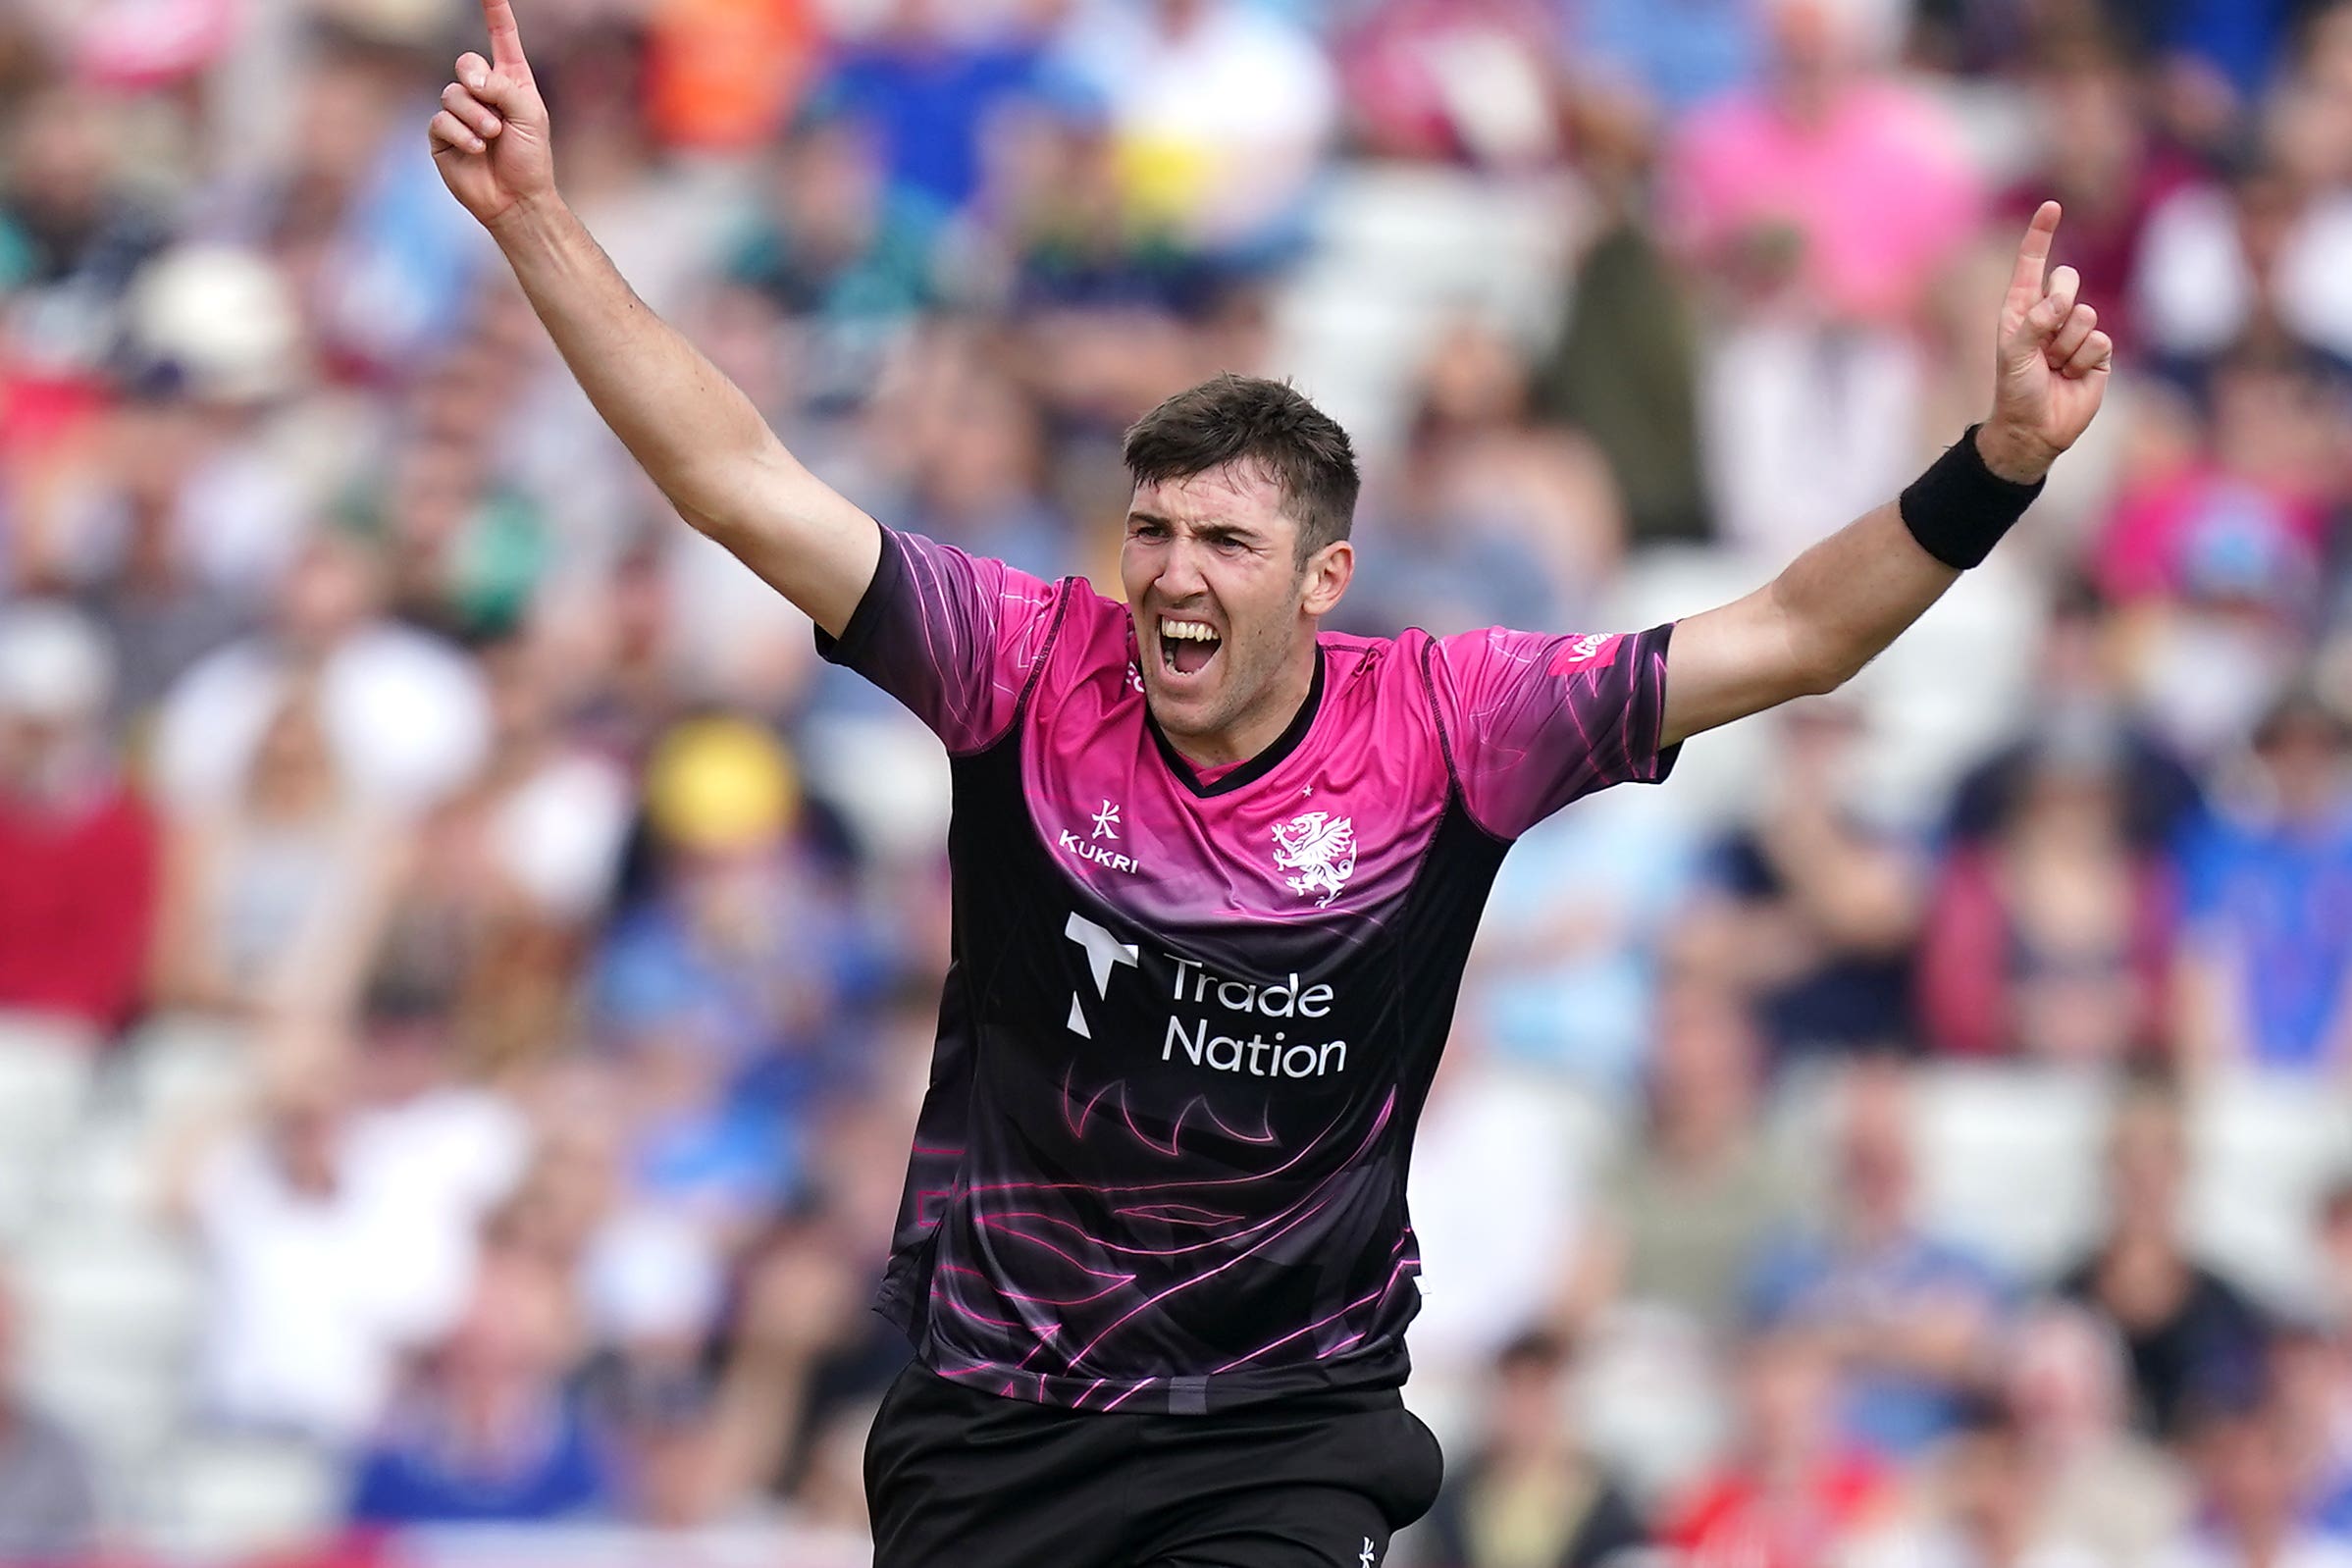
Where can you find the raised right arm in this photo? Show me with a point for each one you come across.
(692, 430)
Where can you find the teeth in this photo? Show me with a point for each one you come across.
(1187, 631)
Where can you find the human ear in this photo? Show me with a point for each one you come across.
(1327, 573)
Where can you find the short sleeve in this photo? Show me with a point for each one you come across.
(955, 637)
(1531, 722)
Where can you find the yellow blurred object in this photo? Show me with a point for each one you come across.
(1166, 178)
(721, 784)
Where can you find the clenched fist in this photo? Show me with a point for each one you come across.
(489, 139)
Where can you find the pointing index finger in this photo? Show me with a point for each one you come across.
(2033, 253)
(505, 38)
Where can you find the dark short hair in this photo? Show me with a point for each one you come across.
(1248, 419)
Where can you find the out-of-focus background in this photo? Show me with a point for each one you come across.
(468, 969)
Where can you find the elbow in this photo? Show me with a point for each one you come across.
(1818, 664)
(1820, 676)
(726, 493)
(1813, 660)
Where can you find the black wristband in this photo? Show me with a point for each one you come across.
(1959, 510)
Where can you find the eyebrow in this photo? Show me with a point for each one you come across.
(1238, 532)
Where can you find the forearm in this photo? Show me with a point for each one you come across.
(1856, 591)
(1847, 597)
(677, 415)
(692, 430)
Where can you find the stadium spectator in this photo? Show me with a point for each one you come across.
(2108, 1489)
(2267, 960)
(464, 552)
(1222, 110)
(2310, 1387)
(1624, 369)
(1568, 952)
(977, 470)
(490, 1434)
(1820, 205)
(1701, 1188)
(1811, 909)
(798, 1333)
(274, 899)
(72, 231)
(1792, 1493)
(1911, 1320)
(2102, 158)
(2247, 518)
(723, 74)
(2252, 1493)
(929, 85)
(2194, 1339)
(1678, 58)
(402, 713)
(730, 989)
(1529, 1493)
(839, 250)
(497, 901)
(174, 501)
(1452, 81)
(1983, 1502)
(335, 1239)
(2054, 938)
(2252, 256)
(661, 1434)
(1490, 519)
(2081, 677)
(79, 850)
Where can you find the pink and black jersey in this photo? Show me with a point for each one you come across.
(1189, 1025)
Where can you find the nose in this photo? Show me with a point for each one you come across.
(1181, 575)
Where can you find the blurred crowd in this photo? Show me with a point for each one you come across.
(467, 969)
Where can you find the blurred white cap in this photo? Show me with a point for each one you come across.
(54, 664)
(223, 318)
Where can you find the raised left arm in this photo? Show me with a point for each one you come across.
(1841, 603)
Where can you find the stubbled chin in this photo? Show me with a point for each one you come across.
(1174, 702)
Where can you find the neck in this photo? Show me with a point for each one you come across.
(1261, 726)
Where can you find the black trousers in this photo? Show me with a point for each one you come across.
(957, 1478)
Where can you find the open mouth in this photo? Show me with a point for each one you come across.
(1186, 647)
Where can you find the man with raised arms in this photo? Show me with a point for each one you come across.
(1215, 875)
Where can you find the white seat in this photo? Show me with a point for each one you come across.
(2265, 1147)
(183, 1069)
(1394, 252)
(109, 1295)
(123, 1410)
(45, 1073)
(2009, 1161)
(2006, 1158)
(108, 1177)
(217, 1497)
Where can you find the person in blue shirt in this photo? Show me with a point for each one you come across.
(929, 93)
(2267, 959)
(1912, 1318)
(492, 1435)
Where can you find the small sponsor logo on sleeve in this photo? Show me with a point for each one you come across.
(1592, 647)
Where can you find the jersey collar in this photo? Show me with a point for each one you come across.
(1258, 766)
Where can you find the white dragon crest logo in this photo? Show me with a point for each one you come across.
(1323, 853)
